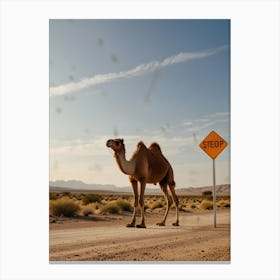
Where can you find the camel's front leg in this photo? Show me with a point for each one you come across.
(135, 192)
(141, 202)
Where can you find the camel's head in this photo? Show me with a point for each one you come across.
(116, 145)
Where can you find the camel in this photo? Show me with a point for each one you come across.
(146, 165)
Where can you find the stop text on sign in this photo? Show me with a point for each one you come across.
(213, 144)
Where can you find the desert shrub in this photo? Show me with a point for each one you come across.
(157, 204)
(181, 207)
(111, 208)
(64, 207)
(54, 196)
(76, 196)
(66, 194)
(124, 205)
(87, 211)
(90, 198)
(223, 203)
(79, 196)
(206, 193)
(206, 205)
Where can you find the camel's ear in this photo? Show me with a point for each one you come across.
(122, 141)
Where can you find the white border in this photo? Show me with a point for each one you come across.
(254, 137)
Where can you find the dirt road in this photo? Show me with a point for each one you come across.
(109, 240)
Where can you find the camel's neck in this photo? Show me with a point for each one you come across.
(127, 167)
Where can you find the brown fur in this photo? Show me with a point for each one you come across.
(146, 165)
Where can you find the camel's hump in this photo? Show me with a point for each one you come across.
(155, 145)
(140, 144)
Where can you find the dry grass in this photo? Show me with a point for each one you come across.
(224, 203)
(124, 205)
(71, 204)
(111, 208)
(157, 204)
(90, 198)
(64, 206)
(206, 205)
(117, 206)
(87, 211)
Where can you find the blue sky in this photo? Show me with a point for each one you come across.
(152, 80)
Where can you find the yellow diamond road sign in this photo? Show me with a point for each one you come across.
(213, 144)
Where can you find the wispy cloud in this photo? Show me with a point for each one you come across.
(133, 72)
(205, 122)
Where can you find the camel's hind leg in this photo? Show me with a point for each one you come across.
(176, 201)
(168, 203)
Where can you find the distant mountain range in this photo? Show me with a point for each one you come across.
(72, 185)
(221, 190)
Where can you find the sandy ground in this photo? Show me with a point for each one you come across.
(105, 238)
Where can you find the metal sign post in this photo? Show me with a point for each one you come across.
(214, 193)
(213, 144)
